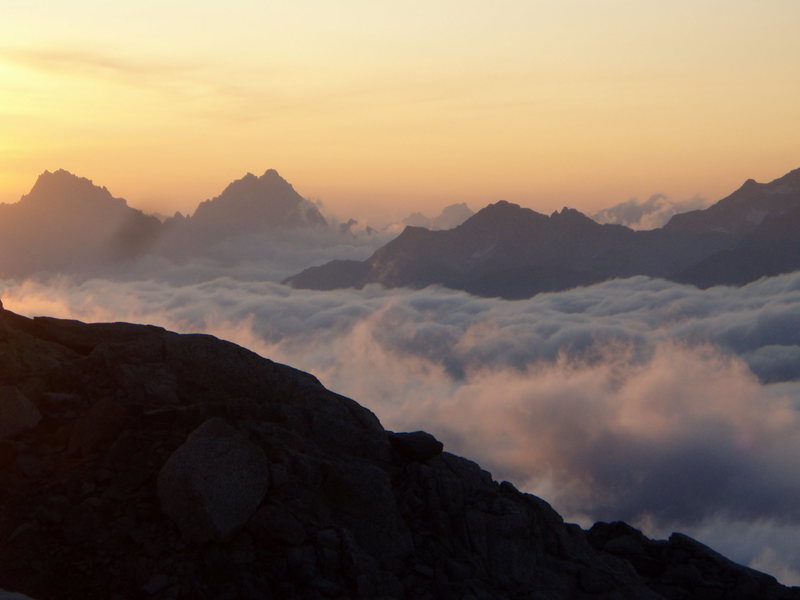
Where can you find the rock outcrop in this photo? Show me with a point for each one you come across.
(173, 466)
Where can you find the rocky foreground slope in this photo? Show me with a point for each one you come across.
(138, 463)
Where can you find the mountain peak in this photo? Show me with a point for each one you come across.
(62, 177)
(565, 212)
(272, 174)
(253, 203)
(501, 207)
(504, 204)
(61, 187)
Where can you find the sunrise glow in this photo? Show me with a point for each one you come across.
(377, 107)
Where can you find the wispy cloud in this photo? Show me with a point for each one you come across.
(647, 214)
(95, 64)
(208, 88)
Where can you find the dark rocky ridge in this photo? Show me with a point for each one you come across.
(110, 428)
(743, 211)
(513, 252)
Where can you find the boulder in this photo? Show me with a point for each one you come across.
(17, 412)
(212, 484)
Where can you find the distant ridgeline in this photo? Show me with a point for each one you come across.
(139, 463)
(512, 252)
(66, 224)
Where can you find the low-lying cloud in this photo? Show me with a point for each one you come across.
(647, 214)
(670, 407)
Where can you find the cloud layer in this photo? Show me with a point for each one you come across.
(638, 399)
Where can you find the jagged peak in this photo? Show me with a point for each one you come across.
(62, 185)
(251, 183)
(566, 211)
(253, 200)
(272, 174)
(62, 175)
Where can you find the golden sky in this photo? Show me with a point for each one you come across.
(378, 108)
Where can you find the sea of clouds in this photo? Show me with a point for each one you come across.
(643, 400)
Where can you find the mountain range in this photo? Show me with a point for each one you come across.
(67, 220)
(66, 224)
(513, 252)
(139, 463)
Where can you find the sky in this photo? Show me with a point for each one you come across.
(380, 108)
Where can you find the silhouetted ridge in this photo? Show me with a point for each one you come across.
(66, 224)
(514, 252)
(745, 209)
(138, 463)
(510, 251)
(502, 214)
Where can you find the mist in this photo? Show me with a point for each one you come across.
(643, 400)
